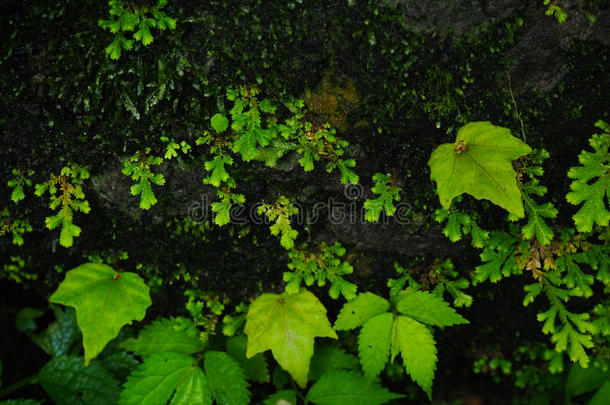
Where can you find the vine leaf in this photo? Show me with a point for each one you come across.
(155, 380)
(165, 335)
(479, 164)
(287, 325)
(104, 300)
(348, 388)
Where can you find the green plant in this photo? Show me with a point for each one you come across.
(66, 193)
(280, 212)
(556, 11)
(126, 17)
(18, 184)
(385, 186)
(138, 167)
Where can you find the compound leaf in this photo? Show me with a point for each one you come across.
(226, 379)
(356, 312)
(104, 300)
(479, 164)
(165, 335)
(428, 308)
(287, 325)
(374, 344)
(155, 380)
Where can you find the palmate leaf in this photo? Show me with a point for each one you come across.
(164, 335)
(591, 184)
(68, 382)
(156, 379)
(287, 325)
(348, 388)
(104, 300)
(479, 164)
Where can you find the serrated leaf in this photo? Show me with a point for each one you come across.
(59, 336)
(536, 226)
(428, 308)
(418, 350)
(156, 379)
(164, 335)
(327, 358)
(193, 390)
(287, 325)
(255, 368)
(219, 122)
(348, 388)
(479, 164)
(374, 344)
(356, 312)
(68, 382)
(226, 379)
(104, 300)
(18, 194)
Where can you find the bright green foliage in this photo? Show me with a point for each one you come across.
(226, 379)
(536, 225)
(498, 258)
(591, 184)
(386, 333)
(556, 11)
(280, 212)
(348, 388)
(428, 308)
(15, 270)
(125, 18)
(359, 310)
(218, 171)
(320, 266)
(156, 379)
(68, 381)
(222, 208)
(460, 224)
(254, 368)
(219, 122)
(138, 167)
(328, 358)
(172, 148)
(14, 226)
(247, 122)
(479, 164)
(287, 325)
(166, 335)
(67, 195)
(18, 183)
(104, 300)
(385, 186)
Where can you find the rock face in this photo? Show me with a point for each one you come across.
(538, 61)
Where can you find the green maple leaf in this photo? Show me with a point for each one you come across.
(287, 325)
(348, 388)
(165, 335)
(591, 184)
(479, 164)
(156, 379)
(67, 381)
(104, 300)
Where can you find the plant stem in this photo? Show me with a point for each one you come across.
(33, 379)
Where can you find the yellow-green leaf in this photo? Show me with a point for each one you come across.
(105, 301)
(287, 325)
(479, 163)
